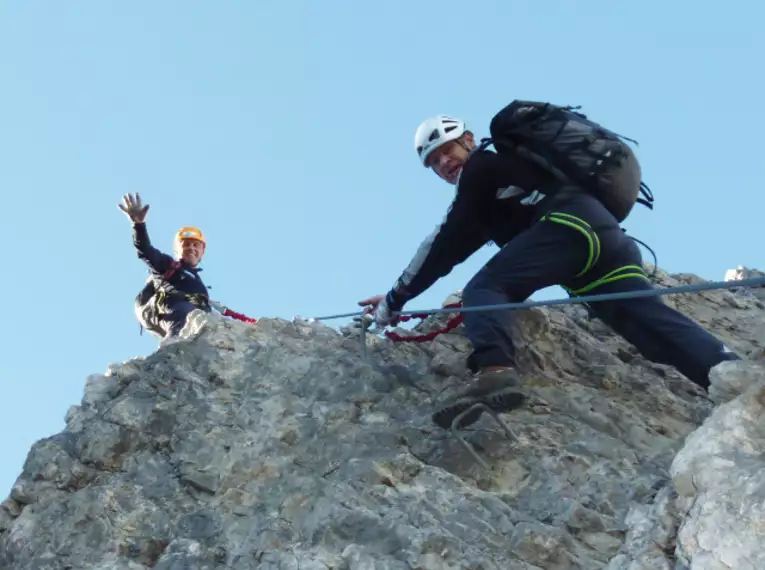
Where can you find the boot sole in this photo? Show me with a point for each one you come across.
(501, 401)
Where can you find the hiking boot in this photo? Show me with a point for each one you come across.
(499, 390)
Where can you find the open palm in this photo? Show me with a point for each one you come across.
(133, 208)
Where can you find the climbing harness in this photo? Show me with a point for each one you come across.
(146, 302)
(454, 430)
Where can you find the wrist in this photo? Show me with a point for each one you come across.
(394, 301)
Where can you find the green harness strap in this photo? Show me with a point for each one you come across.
(593, 242)
(585, 229)
(197, 299)
(625, 272)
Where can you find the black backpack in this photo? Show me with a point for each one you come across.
(576, 150)
(145, 305)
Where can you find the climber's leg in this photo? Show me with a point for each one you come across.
(659, 332)
(542, 256)
(564, 247)
(174, 320)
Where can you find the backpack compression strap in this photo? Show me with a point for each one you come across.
(648, 200)
(644, 188)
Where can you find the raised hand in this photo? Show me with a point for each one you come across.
(133, 208)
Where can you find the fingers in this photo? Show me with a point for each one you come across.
(130, 201)
(133, 207)
(374, 300)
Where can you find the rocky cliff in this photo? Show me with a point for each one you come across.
(278, 446)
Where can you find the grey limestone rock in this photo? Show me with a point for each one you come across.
(278, 446)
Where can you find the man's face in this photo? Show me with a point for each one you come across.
(192, 251)
(448, 159)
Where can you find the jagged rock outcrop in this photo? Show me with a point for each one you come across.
(279, 446)
(743, 272)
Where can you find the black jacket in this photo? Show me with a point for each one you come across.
(497, 197)
(186, 280)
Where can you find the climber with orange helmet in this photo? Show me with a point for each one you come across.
(174, 288)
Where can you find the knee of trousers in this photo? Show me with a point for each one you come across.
(475, 290)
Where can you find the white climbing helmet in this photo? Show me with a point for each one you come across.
(434, 132)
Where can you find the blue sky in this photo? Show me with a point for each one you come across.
(285, 131)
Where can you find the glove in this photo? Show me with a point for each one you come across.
(378, 308)
(383, 314)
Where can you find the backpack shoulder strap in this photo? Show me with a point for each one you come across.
(484, 143)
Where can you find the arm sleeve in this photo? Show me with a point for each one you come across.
(157, 261)
(451, 243)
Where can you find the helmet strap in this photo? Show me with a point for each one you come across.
(463, 144)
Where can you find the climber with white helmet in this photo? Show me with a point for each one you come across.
(174, 288)
(551, 197)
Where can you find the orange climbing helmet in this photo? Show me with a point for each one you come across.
(188, 232)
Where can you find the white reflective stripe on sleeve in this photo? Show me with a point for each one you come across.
(422, 252)
(419, 259)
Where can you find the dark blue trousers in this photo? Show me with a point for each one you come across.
(581, 247)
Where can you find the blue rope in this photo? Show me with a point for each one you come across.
(753, 282)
